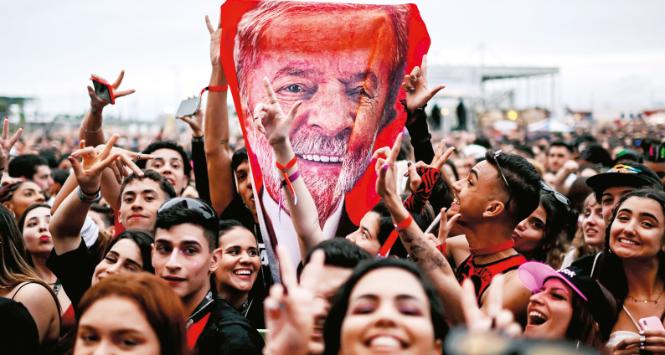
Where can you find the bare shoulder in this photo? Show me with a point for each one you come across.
(458, 248)
(34, 295)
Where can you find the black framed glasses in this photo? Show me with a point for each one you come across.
(200, 207)
(558, 195)
(503, 176)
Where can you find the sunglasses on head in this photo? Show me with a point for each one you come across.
(503, 176)
(558, 195)
(200, 207)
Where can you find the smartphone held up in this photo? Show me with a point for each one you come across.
(188, 107)
(103, 89)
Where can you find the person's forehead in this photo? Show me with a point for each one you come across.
(558, 150)
(183, 233)
(353, 30)
(141, 185)
(556, 283)
(29, 185)
(237, 236)
(638, 205)
(43, 169)
(166, 154)
(381, 282)
(39, 212)
(485, 170)
(127, 248)
(618, 190)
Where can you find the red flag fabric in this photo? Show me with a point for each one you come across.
(345, 62)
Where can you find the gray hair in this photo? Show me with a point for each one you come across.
(254, 23)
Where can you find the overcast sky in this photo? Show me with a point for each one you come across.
(611, 53)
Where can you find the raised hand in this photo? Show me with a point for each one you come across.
(446, 225)
(415, 85)
(386, 170)
(7, 143)
(89, 172)
(497, 318)
(271, 120)
(97, 103)
(215, 39)
(195, 122)
(289, 315)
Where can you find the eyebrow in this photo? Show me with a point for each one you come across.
(400, 297)
(133, 262)
(362, 76)
(366, 230)
(474, 172)
(292, 69)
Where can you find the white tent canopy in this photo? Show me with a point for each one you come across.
(549, 125)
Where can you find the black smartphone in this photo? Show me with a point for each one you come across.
(102, 89)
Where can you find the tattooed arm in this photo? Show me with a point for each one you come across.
(424, 253)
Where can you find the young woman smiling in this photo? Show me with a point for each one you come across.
(238, 269)
(371, 315)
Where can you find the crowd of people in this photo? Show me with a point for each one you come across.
(551, 240)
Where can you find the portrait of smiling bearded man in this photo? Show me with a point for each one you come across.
(345, 63)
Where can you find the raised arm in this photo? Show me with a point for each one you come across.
(421, 250)
(66, 222)
(216, 132)
(91, 129)
(275, 124)
(6, 144)
(195, 122)
(417, 96)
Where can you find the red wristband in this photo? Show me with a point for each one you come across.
(404, 224)
(214, 88)
(288, 165)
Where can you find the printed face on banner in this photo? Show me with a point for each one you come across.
(343, 73)
(345, 63)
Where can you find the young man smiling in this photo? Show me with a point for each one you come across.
(185, 255)
(499, 192)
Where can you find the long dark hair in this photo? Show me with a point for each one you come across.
(583, 327)
(558, 224)
(333, 326)
(609, 270)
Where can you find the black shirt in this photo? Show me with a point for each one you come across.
(74, 270)
(227, 332)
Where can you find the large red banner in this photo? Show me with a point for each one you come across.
(345, 62)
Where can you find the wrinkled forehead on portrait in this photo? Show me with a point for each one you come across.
(378, 32)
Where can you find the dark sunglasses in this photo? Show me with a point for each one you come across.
(503, 177)
(200, 207)
(558, 195)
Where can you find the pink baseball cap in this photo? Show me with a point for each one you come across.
(533, 275)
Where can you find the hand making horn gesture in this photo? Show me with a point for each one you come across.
(271, 120)
(122, 164)
(289, 307)
(415, 85)
(441, 156)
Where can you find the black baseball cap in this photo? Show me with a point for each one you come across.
(625, 174)
(533, 275)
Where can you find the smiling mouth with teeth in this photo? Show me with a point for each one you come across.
(243, 272)
(536, 318)
(329, 159)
